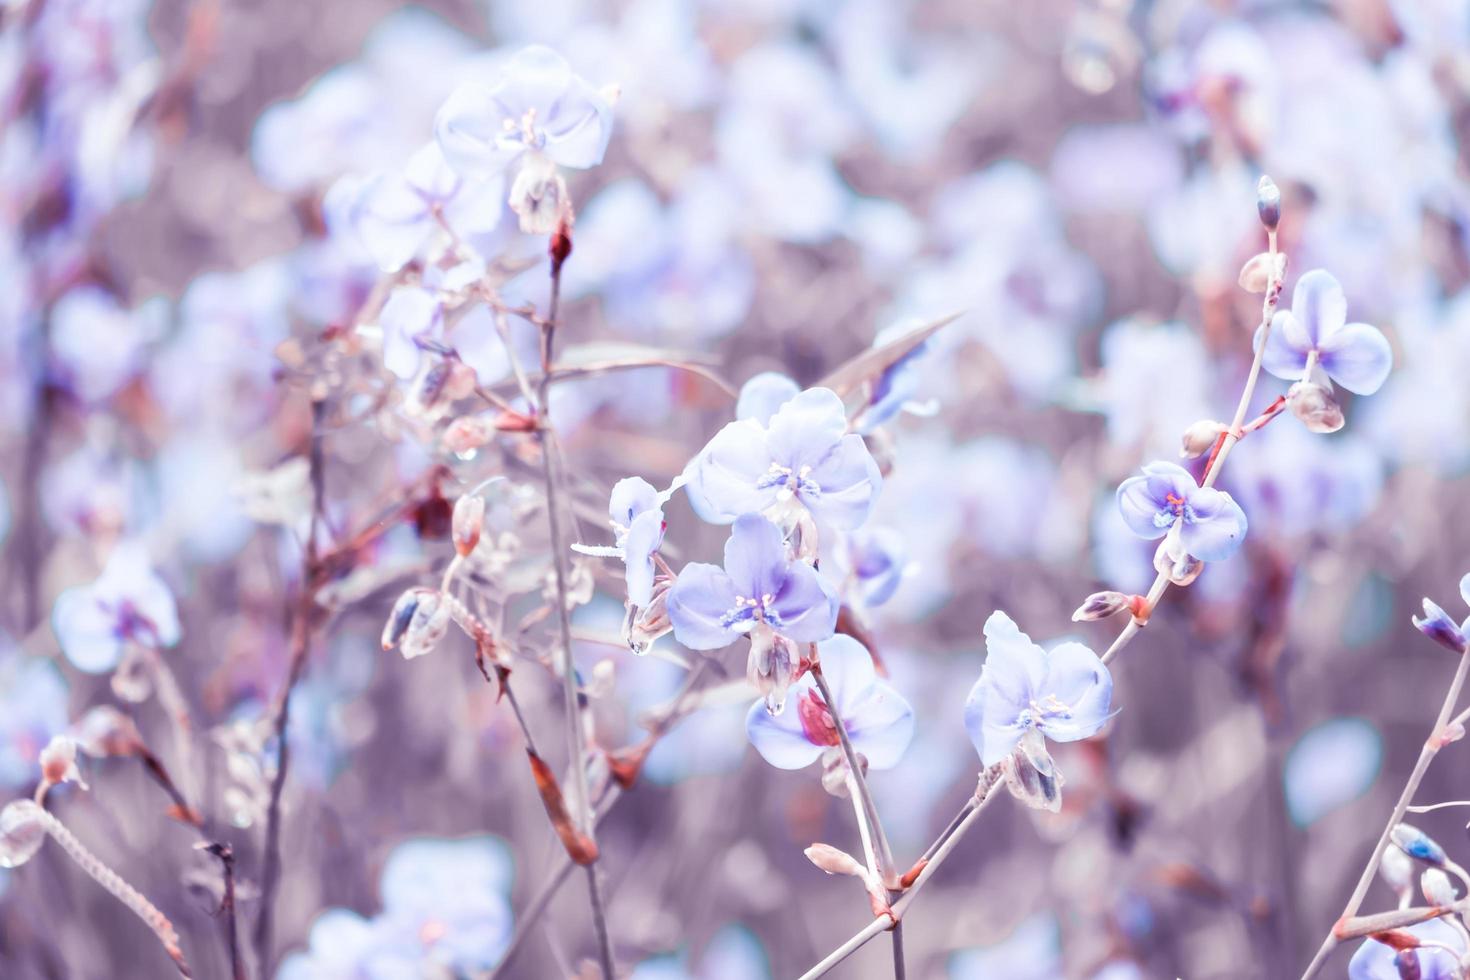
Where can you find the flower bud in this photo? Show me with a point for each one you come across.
(106, 731)
(834, 861)
(427, 626)
(1397, 870)
(1314, 405)
(21, 833)
(652, 623)
(1200, 438)
(401, 616)
(429, 391)
(538, 195)
(1268, 203)
(59, 762)
(467, 434)
(469, 518)
(771, 667)
(1101, 605)
(1181, 568)
(1439, 627)
(1436, 887)
(1406, 961)
(1418, 845)
(1260, 270)
(1031, 775)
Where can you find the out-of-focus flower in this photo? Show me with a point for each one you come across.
(869, 564)
(1026, 694)
(879, 721)
(1207, 523)
(413, 317)
(1031, 952)
(760, 588)
(98, 345)
(33, 708)
(896, 388)
(395, 216)
(1315, 329)
(128, 603)
(1441, 628)
(537, 106)
(763, 395)
(59, 762)
(1330, 766)
(1378, 961)
(804, 458)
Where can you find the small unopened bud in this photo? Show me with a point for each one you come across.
(1452, 732)
(1268, 203)
(432, 386)
(1200, 438)
(538, 195)
(1418, 845)
(1406, 961)
(1260, 271)
(1439, 627)
(22, 832)
(1436, 887)
(59, 762)
(401, 616)
(1397, 870)
(1100, 605)
(771, 667)
(430, 621)
(105, 731)
(1314, 405)
(468, 520)
(560, 246)
(467, 434)
(834, 861)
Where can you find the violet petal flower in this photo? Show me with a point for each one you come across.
(710, 607)
(805, 455)
(1211, 524)
(1441, 628)
(1375, 961)
(1355, 355)
(1064, 694)
(537, 105)
(636, 510)
(880, 723)
(871, 563)
(127, 602)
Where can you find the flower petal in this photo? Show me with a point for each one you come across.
(721, 480)
(881, 725)
(1143, 500)
(470, 130)
(643, 539)
(1218, 527)
(1079, 679)
(848, 667)
(697, 604)
(1319, 305)
(806, 428)
(86, 630)
(849, 479)
(806, 605)
(763, 395)
(1357, 357)
(629, 498)
(994, 734)
(1287, 347)
(779, 738)
(755, 557)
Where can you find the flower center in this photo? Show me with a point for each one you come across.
(1049, 708)
(791, 482)
(1175, 508)
(526, 129)
(817, 723)
(751, 611)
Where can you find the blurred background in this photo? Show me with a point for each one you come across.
(786, 179)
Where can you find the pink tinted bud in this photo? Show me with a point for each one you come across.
(462, 380)
(1315, 406)
(426, 627)
(1257, 274)
(1181, 568)
(1100, 605)
(1268, 203)
(59, 762)
(1200, 438)
(834, 861)
(1436, 887)
(106, 731)
(469, 518)
(466, 434)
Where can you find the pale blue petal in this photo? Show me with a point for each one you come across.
(806, 428)
(644, 537)
(1080, 680)
(698, 601)
(780, 739)
(1357, 357)
(1219, 526)
(994, 734)
(763, 395)
(630, 497)
(1319, 305)
(721, 480)
(87, 632)
(880, 725)
(1287, 347)
(849, 480)
(755, 557)
(806, 605)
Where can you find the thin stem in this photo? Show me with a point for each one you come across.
(576, 733)
(1216, 462)
(1437, 806)
(989, 781)
(227, 907)
(855, 770)
(1426, 756)
(899, 970)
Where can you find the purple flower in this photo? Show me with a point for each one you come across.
(413, 318)
(1376, 961)
(33, 697)
(392, 215)
(896, 388)
(1315, 330)
(870, 564)
(1208, 523)
(763, 395)
(1026, 694)
(1441, 628)
(880, 723)
(760, 589)
(127, 603)
(635, 510)
(538, 105)
(805, 456)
